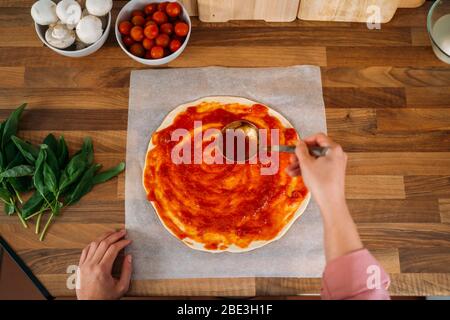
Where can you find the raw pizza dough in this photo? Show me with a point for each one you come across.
(224, 100)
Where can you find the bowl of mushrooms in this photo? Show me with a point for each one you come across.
(72, 28)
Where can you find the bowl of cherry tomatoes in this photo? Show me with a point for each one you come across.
(153, 32)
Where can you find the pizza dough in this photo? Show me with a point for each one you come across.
(222, 207)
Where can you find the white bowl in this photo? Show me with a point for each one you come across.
(40, 30)
(125, 14)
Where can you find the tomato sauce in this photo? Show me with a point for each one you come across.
(219, 205)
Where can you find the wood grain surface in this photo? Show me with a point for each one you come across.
(387, 102)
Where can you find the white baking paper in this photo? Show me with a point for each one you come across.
(295, 92)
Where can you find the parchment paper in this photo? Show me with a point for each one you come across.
(295, 92)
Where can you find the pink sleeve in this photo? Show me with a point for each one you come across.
(356, 275)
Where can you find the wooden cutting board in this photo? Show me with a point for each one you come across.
(268, 10)
(352, 10)
(191, 6)
(411, 3)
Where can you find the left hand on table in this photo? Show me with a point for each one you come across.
(95, 279)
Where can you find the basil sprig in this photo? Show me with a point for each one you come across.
(58, 180)
(15, 172)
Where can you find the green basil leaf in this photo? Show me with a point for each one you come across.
(10, 151)
(32, 205)
(38, 178)
(28, 151)
(73, 171)
(21, 184)
(51, 142)
(52, 161)
(108, 174)
(5, 195)
(88, 150)
(84, 186)
(50, 179)
(18, 160)
(11, 125)
(62, 152)
(18, 171)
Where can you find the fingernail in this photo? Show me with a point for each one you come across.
(129, 258)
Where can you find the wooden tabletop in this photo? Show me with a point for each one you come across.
(387, 102)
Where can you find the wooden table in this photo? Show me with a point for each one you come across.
(387, 102)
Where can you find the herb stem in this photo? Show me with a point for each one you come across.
(41, 238)
(24, 223)
(34, 214)
(38, 222)
(18, 196)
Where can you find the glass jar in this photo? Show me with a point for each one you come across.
(438, 25)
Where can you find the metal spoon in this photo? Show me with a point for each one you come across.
(251, 131)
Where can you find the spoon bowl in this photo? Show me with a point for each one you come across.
(251, 133)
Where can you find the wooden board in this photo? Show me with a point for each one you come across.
(398, 173)
(352, 10)
(191, 6)
(411, 3)
(268, 10)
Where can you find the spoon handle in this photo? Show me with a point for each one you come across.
(313, 150)
(318, 151)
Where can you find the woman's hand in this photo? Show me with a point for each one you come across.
(324, 176)
(95, 281)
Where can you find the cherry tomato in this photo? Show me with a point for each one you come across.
(181, 29)
(162, 6)
(137, 49)
(157, 52)
(127, 40)
(167, 28)
(125, 27)
(160, 17)
(138, 20)
(150, 9)
(173, 9)
(148, 43)
(162, 40)
(151, 31)
(137, 13)
(175, 44)
(137, 33)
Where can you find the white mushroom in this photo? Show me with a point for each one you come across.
(59, 36)
(99, 7)
(69, 12)
(89, 29)
(44, 12)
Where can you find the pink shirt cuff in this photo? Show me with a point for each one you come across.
(356, 275)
